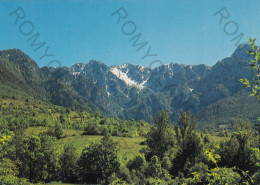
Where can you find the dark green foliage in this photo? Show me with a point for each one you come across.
(200, 168)
(5, 138)
(138, 164)
(166, 163)
(224, 133)
(92, 129)
(222, 176)
(185, 126)
(228, 150)
(62, 120)
(124, 174)
(154, 168)
(39, 158)
(98, 161)
(190, 145)
(55, 131)
(1, 104)
(206, 139)
(69, 164)
(192, 148)
(223, 112)
(102, 122)
(160, 138)
(238, 151)
(9, 173)
(243, 132)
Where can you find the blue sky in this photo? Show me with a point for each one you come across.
(180, 31)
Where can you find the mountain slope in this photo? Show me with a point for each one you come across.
(20, 74)
(141, 91)
(136, 92)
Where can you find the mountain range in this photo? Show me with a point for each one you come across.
(213, 93)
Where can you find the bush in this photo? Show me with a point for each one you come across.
(154, 168)
(222, 176)
(166, 163)
(137, 164)
(206, 139)
(124, 175)
(56, 131)
(91, 130)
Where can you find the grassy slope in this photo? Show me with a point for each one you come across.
(128, 147)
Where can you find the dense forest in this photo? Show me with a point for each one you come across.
(42, 143)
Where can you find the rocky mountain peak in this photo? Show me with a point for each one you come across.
(19, 58)
(241, 52)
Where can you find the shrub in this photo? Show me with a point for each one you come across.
(56, 131)
(91, 130)
(222, 176)
(137, 164)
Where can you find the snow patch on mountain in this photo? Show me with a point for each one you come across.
(124, 77)
(76, 73)
(81, 66)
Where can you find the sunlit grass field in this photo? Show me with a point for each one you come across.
(128, 147)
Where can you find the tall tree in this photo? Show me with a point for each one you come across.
(243, 133)
(189, 142)
(160, 139)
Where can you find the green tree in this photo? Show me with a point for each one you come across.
(137, 164)
(39, 158)
(189, 142)
(9, 173)
(99, 161)
(243, 154)
(185, 126)
(160, 138)
(166, 163)
(1, 104)
(243, 132)
(222, 176)
(62, 119)
(154, 169)
(155, 173)
(69, 164)
(228, 151)
(5, 137)
(56, 131)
